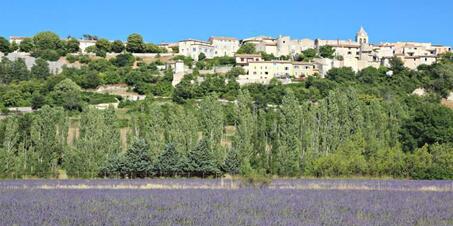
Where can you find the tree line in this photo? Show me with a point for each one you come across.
(341, 135)
(50, 46)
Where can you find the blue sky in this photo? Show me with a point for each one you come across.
(173, 20)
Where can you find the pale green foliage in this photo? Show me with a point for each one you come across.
(287, 150)
(243, 146)
(211, 118)
(347, 160)
(49, 133)
(99, 140)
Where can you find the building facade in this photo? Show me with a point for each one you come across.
(193, 48)
(224, 46)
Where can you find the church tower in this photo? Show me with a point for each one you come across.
(361, 36)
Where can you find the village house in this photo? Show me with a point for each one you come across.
(214, 47)
(245, 59)
(281, 46)
(224, 46)
(264, 71)
(16, 39)
(193, 48)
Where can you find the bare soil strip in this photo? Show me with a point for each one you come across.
(233, 186)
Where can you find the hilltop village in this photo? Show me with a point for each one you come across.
(263, 58)
(113, 71)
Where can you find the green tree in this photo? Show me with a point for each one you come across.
(341, 75)
(429, 124)
(117, 46)
(245, 130)
(123, 60)
(72, 45)
(171, 162)
(442, 165)
(26, 45)
(232, 164)
(46, 41)
(388, 162)
(103, 45)
(347, 160)
(202, 161)
(49, 134)
(152, 48)
(67, 94)
(247, 48)
(326, 52)
(98, 141)
(309, 54)
(268, 57)
(446, 57)
(4, 45)
(288, 146)
(397, 65)
(138, 163)
(9, 144)
(13, 47)
(211, 120)
(135, 43)
(37, 100)
(201, 56)
(235, 72)
(40, 69)
(419, 163)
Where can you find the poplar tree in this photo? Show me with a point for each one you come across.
(49, 133)
(99, 140)
(288, 152)
(150, 124)
(9, 146)
(211, 118)
(245, 129)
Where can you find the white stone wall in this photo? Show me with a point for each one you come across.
(224, 46)
(193, 48)
(83, 44)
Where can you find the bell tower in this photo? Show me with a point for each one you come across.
(361, 36)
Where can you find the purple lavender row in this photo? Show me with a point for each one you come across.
(224, 207)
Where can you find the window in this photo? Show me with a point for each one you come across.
(266, 73)
(242, 59)
(349, 52)
(286, 68)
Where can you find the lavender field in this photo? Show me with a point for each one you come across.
(217, 202)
